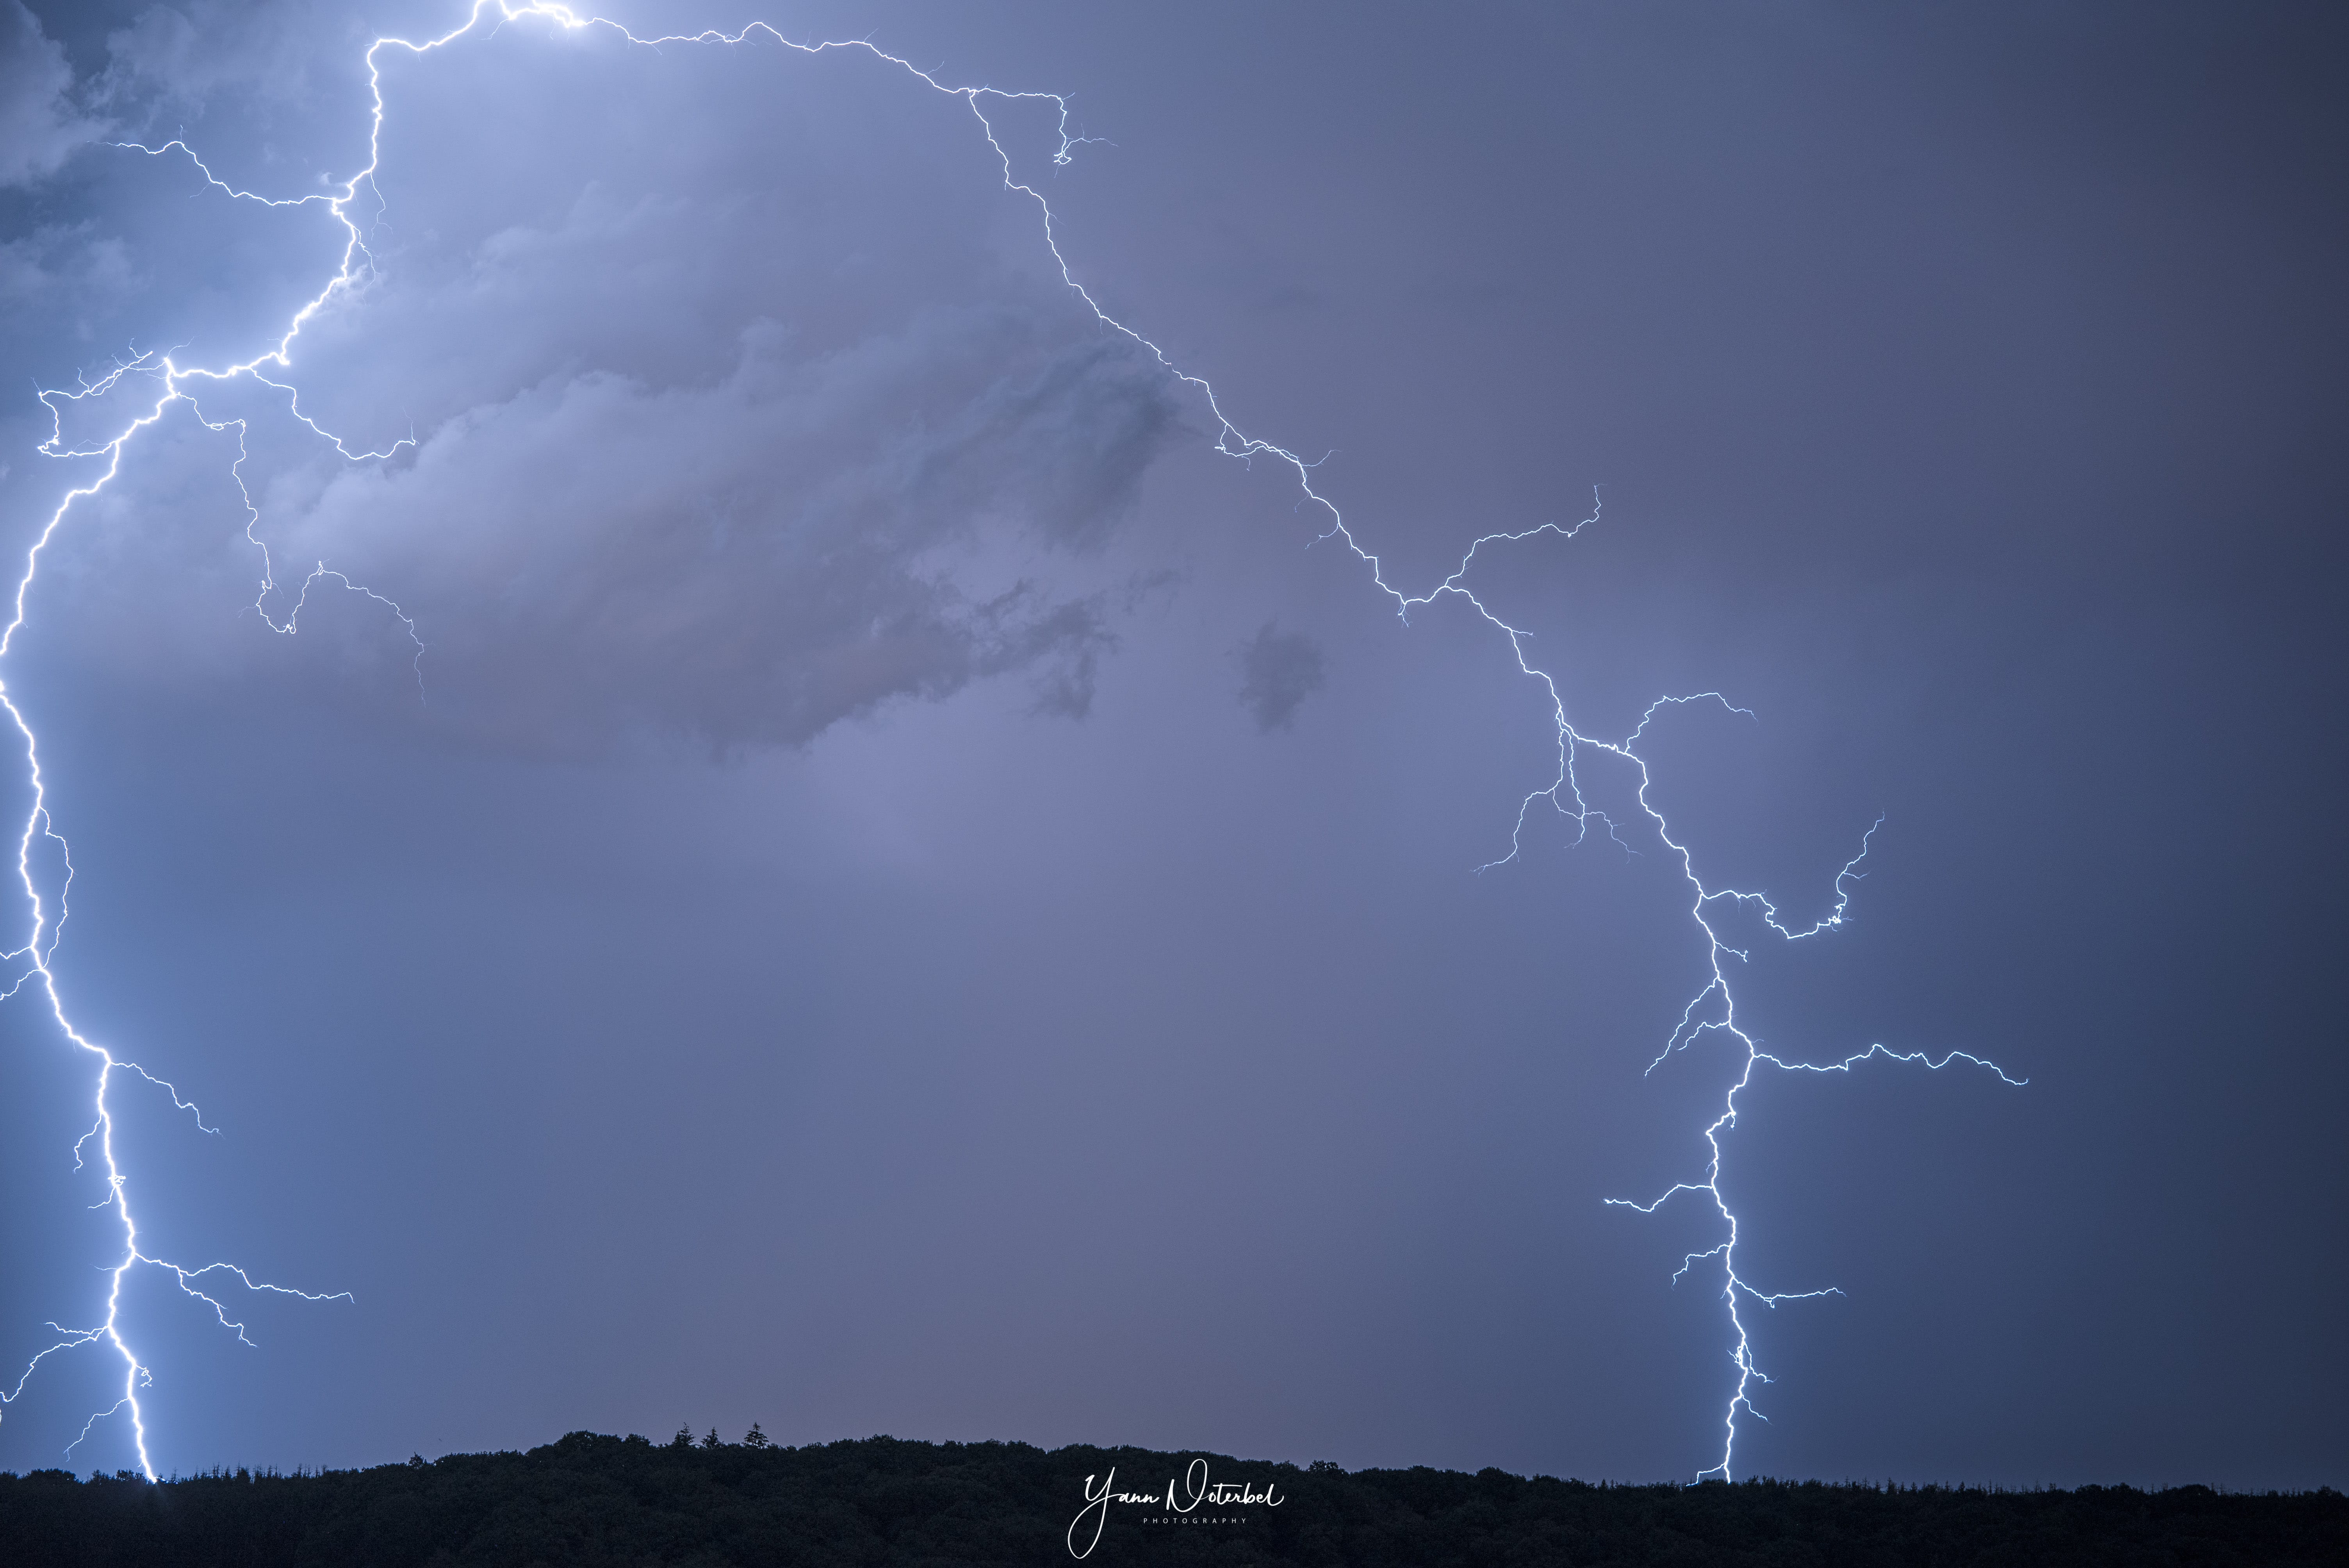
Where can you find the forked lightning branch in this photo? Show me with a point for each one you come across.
(152, 385)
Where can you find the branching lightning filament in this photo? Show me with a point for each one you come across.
(1713, 1010)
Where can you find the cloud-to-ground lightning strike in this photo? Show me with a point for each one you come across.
(40, 949)
(1713, 1010)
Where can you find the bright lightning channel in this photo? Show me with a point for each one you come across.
(1712, 1010)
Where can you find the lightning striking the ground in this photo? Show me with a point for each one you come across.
(1711, 1012)
(40, 949)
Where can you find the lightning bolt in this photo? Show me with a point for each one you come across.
(1713, 1010)
(40, 949)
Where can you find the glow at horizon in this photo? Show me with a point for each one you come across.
(1713, 1010)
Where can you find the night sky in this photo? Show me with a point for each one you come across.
(907, 894)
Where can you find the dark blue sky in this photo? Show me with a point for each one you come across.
(916, 899)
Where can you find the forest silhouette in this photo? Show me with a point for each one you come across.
(700, 1502)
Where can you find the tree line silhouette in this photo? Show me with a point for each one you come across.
(627, 1502)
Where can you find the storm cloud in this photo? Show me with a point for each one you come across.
(40, 128)
(1278, 670)
(700, 466)
(750, 561)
